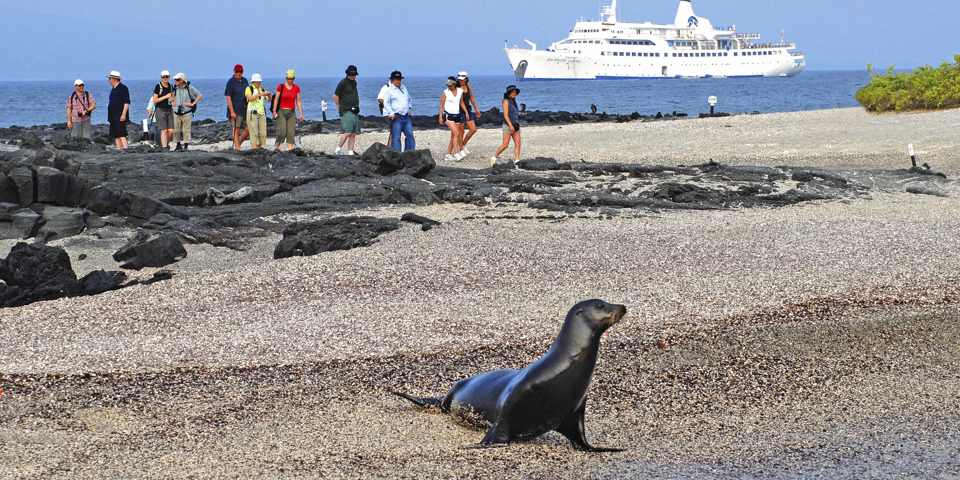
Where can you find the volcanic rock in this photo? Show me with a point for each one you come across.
(52, 185)
(24, 182)
(33, 273)
(340, 233)
(61, 222)
(31, 265)
(8, 191)
(150, 249)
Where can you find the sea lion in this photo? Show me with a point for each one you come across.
(549, 394)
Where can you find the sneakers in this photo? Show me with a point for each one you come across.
(350, 153)
(450, 158)
(493, 161)
(338, 151)
(465, 152)
(459, 156)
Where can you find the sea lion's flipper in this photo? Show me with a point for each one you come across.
(423, 402)
(497, 434)
(572, 428)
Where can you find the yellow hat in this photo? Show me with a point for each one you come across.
(291, 74)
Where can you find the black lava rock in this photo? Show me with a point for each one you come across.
(341, 233)
(31, 265)
(150, 249)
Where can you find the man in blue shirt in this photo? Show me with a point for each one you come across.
(237, 105)
(117, 110)
(397, 106)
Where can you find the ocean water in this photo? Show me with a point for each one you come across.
(44, 103)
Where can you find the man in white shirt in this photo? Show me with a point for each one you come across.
(397, 106)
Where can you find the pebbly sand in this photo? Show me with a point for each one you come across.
(817, 339)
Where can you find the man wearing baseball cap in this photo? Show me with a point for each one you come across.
(237, 105)
(347, 99)
(162, 94)
(79, 106)
(117, 110)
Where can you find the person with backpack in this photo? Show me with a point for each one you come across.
(184, 105)
(80, 105)
(162, 94)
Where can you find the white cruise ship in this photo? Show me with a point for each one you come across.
(689, 48)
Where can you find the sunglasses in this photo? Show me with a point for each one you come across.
(79, 85)
(165, 76)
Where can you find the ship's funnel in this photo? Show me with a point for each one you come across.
(609, 14)
(685, 16)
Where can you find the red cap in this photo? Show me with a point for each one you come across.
(238, 68)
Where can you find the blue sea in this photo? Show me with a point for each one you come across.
(44, 103)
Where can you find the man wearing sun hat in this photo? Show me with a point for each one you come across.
(117, 110)
(237, 105)
(79, 106)
(184, 104)
(398, 107)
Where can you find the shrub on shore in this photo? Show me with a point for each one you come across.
(926, 88)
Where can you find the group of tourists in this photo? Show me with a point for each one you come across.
(246, 109)
(172, 106)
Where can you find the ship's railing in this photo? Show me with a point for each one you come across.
(731, 28)
(748, 35)
(769, 45)
(796, 54)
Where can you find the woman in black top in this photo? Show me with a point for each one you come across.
(511, 125)
(469, 118)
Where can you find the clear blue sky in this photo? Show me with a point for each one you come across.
(63, 40)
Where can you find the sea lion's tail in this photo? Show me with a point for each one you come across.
(423, 402)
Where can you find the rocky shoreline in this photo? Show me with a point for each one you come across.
(783, 321)
(211, 131)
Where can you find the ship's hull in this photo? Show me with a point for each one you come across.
(546, 65)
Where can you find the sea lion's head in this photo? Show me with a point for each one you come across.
(599, 314)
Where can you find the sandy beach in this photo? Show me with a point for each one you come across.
(818, 339)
